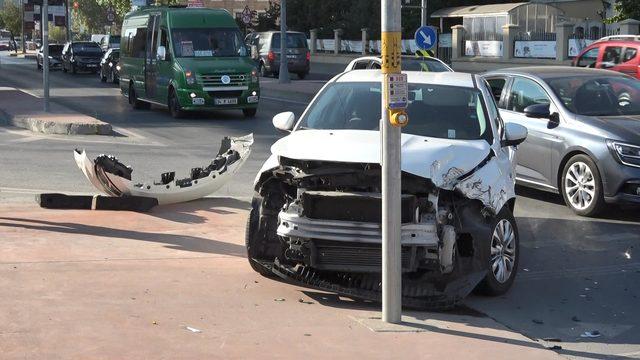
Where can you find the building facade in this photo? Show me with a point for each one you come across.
(236, 7)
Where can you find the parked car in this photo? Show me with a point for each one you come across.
(55, 57)
(109, 68)
(190, 68)
(618, 53)
(316, 212)
(110, 42)
(5, 45)
(584, 132)
(81, 56)
(408, 64)
(266, 51)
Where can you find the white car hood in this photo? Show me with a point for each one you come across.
(441, 160)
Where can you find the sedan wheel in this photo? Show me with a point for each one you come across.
(581, 186)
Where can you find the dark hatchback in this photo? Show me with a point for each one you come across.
(81, 56)
(584, 132)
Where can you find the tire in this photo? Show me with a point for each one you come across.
(135, 102)
(174, 105)
(263, 70)
(250, 239)
(504, 255)
(102, 77)
(64, 69)
(39, 66)
(250, 113)
(301, 76)
(73, 69)
(581, 186)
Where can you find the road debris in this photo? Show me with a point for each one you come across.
(112, 177)
(552, 339)
(627, 254)
(554, 347)
(304, 301)
(576, 319)
(536, 321)
(155, 322)
(278, 299)
(192, 329)
(591, 334)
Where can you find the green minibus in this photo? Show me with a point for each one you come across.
(187, 59)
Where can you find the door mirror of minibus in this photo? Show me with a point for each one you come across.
(162, 53)
(254, 52)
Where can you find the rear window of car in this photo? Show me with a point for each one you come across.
(293, 41)
(55, 49)
(88, 47)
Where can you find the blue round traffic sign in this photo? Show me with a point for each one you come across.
(426, 37)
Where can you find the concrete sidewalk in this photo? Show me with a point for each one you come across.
(175, 283)
(24, 110)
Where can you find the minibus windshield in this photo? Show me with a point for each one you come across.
(208, 43)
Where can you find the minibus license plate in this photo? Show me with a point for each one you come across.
(198, 101)
(231, 101)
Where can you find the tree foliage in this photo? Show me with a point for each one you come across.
(10, 15)
(625, 9)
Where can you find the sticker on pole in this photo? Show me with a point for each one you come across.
(426, 37)
(397, 91)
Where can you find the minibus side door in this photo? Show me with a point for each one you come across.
(151, 61)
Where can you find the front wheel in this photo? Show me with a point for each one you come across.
(504, 255)
(135, 102)
(302, 75)
(252, 240)
(103, 78)
(249, 113)
(581, 186)
(39, 66)
(174, 105)
(73, 69)
(263, 70)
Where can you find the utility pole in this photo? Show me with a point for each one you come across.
(67, 19)
(423, 13)
(22, 42)
(284, 71)
(393, 117)
(45, 52)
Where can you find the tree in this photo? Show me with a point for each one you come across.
(57, 34)
(625, 9)
(10, 15)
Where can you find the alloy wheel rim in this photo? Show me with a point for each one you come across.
(503, 251)
(580, 185)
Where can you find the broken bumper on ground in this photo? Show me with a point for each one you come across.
(112, 177)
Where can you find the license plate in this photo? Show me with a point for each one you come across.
(291, 56)
(252, 99)
(231, 101)
(198, 101)
(92, 65)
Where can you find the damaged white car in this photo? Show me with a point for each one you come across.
(316, 213)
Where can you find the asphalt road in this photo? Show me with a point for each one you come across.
(576, 274)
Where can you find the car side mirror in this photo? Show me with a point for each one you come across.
(162, 53)
(538, 111)
(514, 134)
(254, 52)
(284, 121)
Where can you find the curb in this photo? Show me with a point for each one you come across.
(57, 128)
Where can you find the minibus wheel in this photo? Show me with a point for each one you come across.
(174, 105)
(135, 102)
(250, 112)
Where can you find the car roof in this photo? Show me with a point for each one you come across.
(420, 77)
(551, 72)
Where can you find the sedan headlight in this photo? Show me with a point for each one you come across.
(625, 153)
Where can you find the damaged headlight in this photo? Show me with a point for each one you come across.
(626, 154)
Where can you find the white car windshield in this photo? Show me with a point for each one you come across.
(434, 110)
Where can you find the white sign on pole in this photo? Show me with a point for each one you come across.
(397, 91)
(535, 49)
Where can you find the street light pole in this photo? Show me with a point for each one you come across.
(45, 52)
(284, 71)
(24, 51)
(423, 13)
(391, 187)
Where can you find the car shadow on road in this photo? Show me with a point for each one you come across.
(545, 196)
(187, 213)
(172, 241)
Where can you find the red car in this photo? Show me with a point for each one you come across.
(618, 53)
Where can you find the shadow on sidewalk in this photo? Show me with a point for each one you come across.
(185, 213)
(172, 241)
